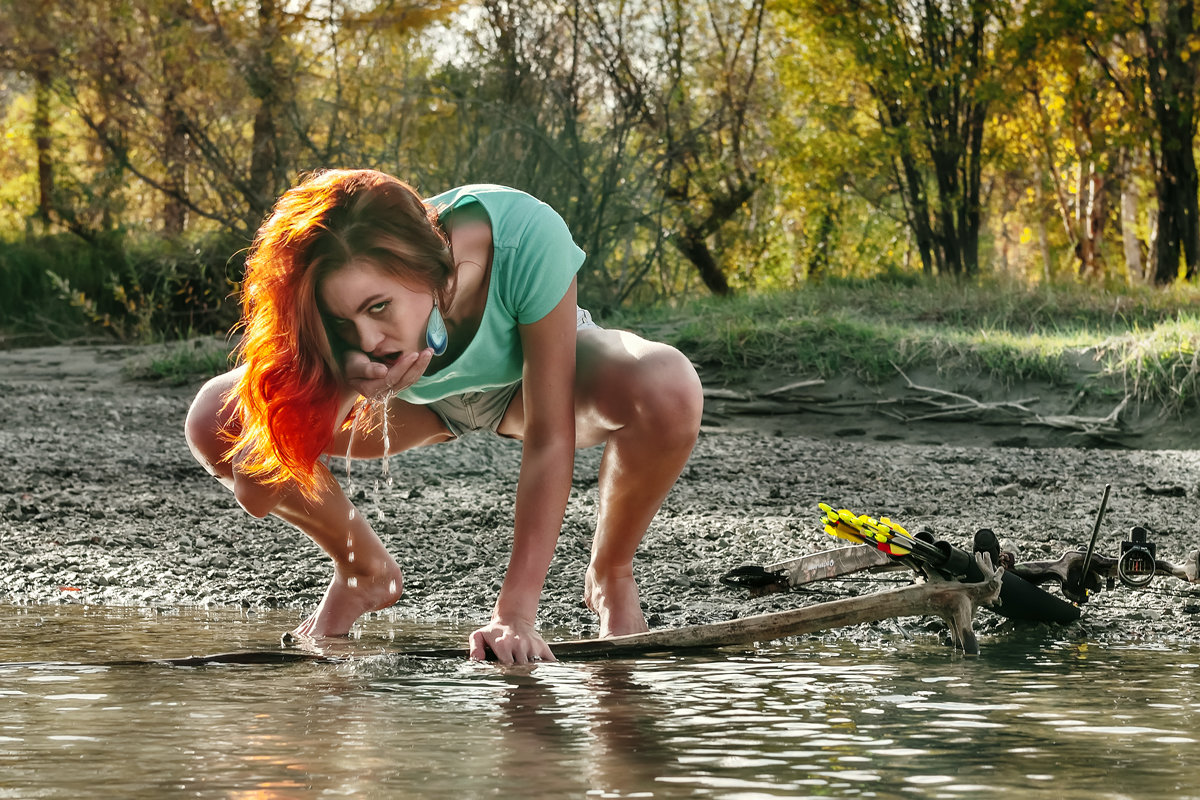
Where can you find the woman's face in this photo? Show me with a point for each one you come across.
(372, 310)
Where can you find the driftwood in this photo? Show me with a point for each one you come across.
(962, 406)
(925, 404)
(1068, 571)
(952, 601)
(780, 400)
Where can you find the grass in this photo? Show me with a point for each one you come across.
(124, 287)
(1145, 341)
(183, 361)
(1161, 365)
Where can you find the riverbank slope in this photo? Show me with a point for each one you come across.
(101, 503)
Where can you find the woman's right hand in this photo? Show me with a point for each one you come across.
(376, 380)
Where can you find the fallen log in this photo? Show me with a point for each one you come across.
(954, 602)
(1067, 570)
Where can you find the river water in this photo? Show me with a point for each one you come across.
(1032, 716)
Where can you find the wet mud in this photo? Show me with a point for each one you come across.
(101, 503)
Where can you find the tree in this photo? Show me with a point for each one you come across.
(211, 108)
(1064, 135)
(1155, 67)
(928, 67)
(1168, 29)
(639, 121)
(693, 89)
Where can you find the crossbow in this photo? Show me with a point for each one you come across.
(883, 545)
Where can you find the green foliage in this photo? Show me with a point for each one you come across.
(762, 146)
(1147, 339)
(1160, 365)
(140, 290)
(184, 361)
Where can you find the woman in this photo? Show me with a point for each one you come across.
(458, 314)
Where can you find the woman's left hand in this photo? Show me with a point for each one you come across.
(512, 644)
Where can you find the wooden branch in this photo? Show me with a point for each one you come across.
(952, 601)
(970, 407)
(1066, 568)
(1107, 424)
(791, 387)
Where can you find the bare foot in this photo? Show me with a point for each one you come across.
(348, 598)
(615, 601)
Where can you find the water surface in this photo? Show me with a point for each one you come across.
(1032, 716)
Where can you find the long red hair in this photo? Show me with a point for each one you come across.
(287, 399)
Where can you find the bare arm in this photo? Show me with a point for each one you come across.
(547, 461)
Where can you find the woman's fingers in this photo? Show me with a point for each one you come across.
(359, 366)
(508, 646)
(408, 370)
(375, 379)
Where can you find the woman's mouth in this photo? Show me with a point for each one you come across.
(387, 359)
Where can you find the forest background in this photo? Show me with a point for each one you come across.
(694, 147)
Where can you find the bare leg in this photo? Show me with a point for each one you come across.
(657, 403)
(365, 576)
(643, 400)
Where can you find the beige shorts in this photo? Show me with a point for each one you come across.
(483, 410)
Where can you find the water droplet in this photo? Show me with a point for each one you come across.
(350, 539)
(349, 448)
(353, 512)
(352, 582)
(392, 586)
(350, 557)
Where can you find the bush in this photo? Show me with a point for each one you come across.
(131, 289)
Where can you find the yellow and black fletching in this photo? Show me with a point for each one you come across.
(882, 534)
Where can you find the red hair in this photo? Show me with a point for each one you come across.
(288, 397)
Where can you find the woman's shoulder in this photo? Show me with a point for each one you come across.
(517, 218)
(490, 195)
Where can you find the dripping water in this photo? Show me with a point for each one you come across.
(387, 443)
(349, 449)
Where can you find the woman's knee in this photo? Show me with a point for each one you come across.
(206, 423)
(653, 387)
(671, 397)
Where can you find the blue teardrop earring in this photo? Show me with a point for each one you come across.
(435, 332)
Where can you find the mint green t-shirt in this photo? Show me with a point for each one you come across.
(534, 260)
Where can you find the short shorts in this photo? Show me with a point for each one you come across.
(483, 410)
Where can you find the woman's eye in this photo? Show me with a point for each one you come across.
(378, 307)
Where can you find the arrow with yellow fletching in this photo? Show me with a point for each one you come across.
(882, 534)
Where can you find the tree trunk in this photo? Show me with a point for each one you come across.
(174, 160)
(972, 186)
(42, 140)
(265, 85)
(175, 150)
(1177, 190)
(1130, 202)
(917, 207)
(694, 247)
(818, 259)
(692, 238)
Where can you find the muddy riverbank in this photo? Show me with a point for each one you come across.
(101, 503)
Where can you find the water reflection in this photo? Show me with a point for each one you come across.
(1032, 716)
